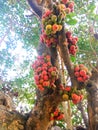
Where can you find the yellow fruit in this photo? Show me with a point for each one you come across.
(85, 68)
(61, 6)
(60, 27)
(48, 27)
(65, 97)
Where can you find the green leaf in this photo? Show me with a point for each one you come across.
(73, 58)
(91, 7)
(73, 14)
(71, 21)
(96, 17)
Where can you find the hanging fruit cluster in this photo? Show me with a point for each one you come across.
(57, 115)
(49, 41)
(45, 74)
(52, 22)
(81, 73)
(69, 5)
(69, 93)
(72, 41)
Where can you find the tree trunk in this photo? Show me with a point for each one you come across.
(9, 118)
(92, 89)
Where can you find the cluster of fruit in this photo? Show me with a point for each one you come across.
(57, 115)
(50, 27)
(81, 73)
(72, 41)
(52, 22)
(70, 94)
(49, 41)
(45, 73)
(69, 5)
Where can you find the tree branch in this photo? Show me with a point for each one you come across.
(6, 33)
(9, 118)
(35, 7)
(66, 57)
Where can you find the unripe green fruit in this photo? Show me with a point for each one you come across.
(54, 18)
(53, 73)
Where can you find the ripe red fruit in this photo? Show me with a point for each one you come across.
(76, 38)
(45, 77)
(60, 117)
(51, 69)
(39, 69)
(77, 74)
(40, 87)
(37, 82)
(49, 63)
(44, 72)
(36, 77)
(68, 34)
(82, 72)
(48, 57)
(51, 118)
(45, 65)
(65, 1)
(74, 41)
(80, 79)
(71, 5)
(72, 52)
(81, 65)
(33, 66)
(46, 14)
(72, 47)
(39, 57)
(67, 88)
(77, 68)
(81, 97)
(86, 77)
(55, 27)
(46, 84)
(76, 47)
(41, 81)
(54, 68)
(75, 101)
(55, 113)
(44, 68)
(75, 98)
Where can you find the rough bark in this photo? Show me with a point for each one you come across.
(40, 116)
(9, 118)
(36, 8)
(92, 89)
